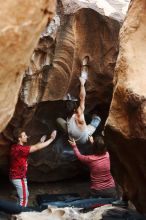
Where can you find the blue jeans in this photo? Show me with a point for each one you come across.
(95, 121)
(93, 124)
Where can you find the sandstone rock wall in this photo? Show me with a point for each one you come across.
(126, 124)
(53, 80)
(21, 23)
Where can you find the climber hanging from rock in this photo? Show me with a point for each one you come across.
(75, 125)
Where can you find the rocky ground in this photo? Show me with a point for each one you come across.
(78, 185)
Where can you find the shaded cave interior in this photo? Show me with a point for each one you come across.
(54, 169)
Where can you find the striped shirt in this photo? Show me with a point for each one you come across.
(99, 166)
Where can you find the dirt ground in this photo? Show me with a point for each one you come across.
(77, 185)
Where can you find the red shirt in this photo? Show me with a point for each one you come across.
(18, 161)
(99, 166)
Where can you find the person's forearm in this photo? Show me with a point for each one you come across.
(81, 157)
(40, 146)
(44, 144)
(82, 92)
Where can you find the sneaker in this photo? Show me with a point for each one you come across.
(85, 61)
(120, 203)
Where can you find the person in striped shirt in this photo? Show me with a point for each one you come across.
(102, 182)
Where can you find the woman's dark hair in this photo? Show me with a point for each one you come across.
(71, 107)
(99, 147)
